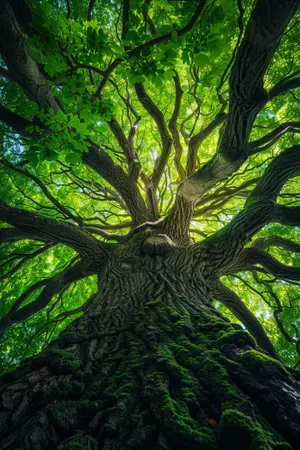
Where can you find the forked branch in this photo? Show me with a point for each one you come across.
(51, 287)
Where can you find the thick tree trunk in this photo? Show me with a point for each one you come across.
(151, 365)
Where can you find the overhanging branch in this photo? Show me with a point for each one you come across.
(158, 40)
(253, 256)
(247, 95)
(51, 287)
(270, 138)
(49, 229)
(15, 235)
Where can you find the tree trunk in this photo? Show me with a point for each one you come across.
(151, 365)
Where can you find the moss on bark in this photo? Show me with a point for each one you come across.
(176, 375)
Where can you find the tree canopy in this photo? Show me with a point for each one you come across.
(181, 114)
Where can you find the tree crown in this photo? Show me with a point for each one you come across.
(182, 114)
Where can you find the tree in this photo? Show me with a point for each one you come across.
(149, 216)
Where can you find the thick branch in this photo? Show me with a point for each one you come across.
(49, 229)
(247, 95)
(287, 215)
(260, 207)
(253, 256)
(15, 235)
(273, 136)
(90, 9)
(23, 12)
(6, 74)
(103, 164)
(284, 86)
(125, 17)
(19, 61)
(233, 302)
(276, 241)
(264, 30)
(17, 122)
(283, 167)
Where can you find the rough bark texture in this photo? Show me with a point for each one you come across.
(151, 365)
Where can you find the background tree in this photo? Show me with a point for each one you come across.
(149, 164)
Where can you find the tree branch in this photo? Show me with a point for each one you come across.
(197, 140)
(44, 189)
(161, 161)
(158, 40)
(263, 33)
(233, 302)
(90, 9)
(260, 207)
(103, 164)
(49, 229)
(19, 61)
(247, 95)
(28, 75)
(18, 124)
(253, 256)
(15, 235)
(147, 18)
(286, 215)
(127, 146)
(6, 74)
(277, 310)
(125, 18)
(284, 86)
(273, 136)
(52, 286)
(68, 9)
(99, 161)
(166, 139)
(24, 259)
(276, 241)
(174, 130)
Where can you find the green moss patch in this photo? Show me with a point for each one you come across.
(258, 363)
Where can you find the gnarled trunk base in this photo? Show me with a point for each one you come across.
(155, 367)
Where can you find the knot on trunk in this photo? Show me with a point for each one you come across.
(159, 245)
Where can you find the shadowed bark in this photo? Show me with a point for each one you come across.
(151, 364)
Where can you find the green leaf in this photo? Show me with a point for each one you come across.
(171, 54)
(201, 60)
(174, 35)
(132, 36)
(72, 158)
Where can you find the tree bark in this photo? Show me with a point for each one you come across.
(151, 365)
